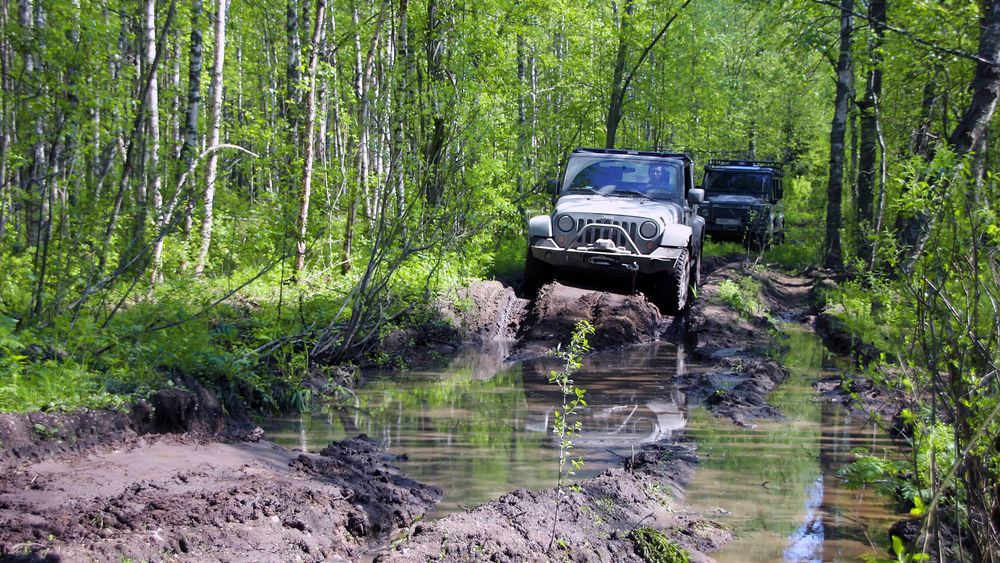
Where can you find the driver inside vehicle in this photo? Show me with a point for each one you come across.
(661, 182)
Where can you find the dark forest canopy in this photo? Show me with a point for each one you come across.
(249, 191)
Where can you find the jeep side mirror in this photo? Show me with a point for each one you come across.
(552, 186)
(696, 196)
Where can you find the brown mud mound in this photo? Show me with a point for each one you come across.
(620, 319)
(483, 312)
(176, 497)
(36, 435)
(593, 525)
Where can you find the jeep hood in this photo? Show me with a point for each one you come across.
(733, 199)
(639, 207)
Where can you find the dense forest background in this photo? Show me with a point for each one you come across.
(249, 193)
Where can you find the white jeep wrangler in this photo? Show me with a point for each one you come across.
(623, 214)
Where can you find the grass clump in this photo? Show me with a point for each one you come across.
(654, 547)
(742, 294)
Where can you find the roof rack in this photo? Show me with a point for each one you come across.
(636, 152)
(761, 163)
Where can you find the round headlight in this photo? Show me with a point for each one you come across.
(565, 223)
(648, 230)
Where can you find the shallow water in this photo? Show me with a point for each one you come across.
(776, 483)
(479, 429)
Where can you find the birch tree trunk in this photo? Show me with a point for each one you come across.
(190, 127)
(300, 249)
(6, 121)
(153, 149)
(213, 137)
(832, 252)
(292, 75)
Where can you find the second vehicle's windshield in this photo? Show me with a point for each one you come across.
(737, 183)
(652, 178)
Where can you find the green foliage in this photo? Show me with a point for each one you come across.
(794, 255)
(870, 311)
(654, 547)
(890, 478)
(714, 248)
(743, 295)
(903, 555)
(572, 399)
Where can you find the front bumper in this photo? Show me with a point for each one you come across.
(614, 262)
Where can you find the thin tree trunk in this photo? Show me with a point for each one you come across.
(6, 121)
(292, 75)
(362, 79)
(614, 115)
(153, 149)
(832, 253)
(300, 250)
(435, 140)
(213, 138)
(869, 134)
(190, 130)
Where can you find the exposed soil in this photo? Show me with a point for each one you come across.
(175, 478)
(194, 497)
(593, 519)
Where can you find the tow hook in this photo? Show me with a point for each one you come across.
(634, 268)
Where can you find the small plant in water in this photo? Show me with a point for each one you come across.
(572, 399)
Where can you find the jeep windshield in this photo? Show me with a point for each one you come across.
(737, 182)
(608, 175)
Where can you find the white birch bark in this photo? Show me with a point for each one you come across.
(213, 138)
(153, 149)
(300, 248)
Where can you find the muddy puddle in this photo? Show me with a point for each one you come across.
(479, 429)
(776, 483)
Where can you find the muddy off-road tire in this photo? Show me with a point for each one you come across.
(536, 274)
(695, 279)
(671, 290)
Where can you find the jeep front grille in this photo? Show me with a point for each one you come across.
(726, 212)
(591, 235)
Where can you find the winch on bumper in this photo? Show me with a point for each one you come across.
(603, 254)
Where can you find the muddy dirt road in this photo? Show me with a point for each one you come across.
(174, 479)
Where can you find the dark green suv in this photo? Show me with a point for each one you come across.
(743, 201)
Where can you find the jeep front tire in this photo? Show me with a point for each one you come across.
(536, 274)
(671, 288)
